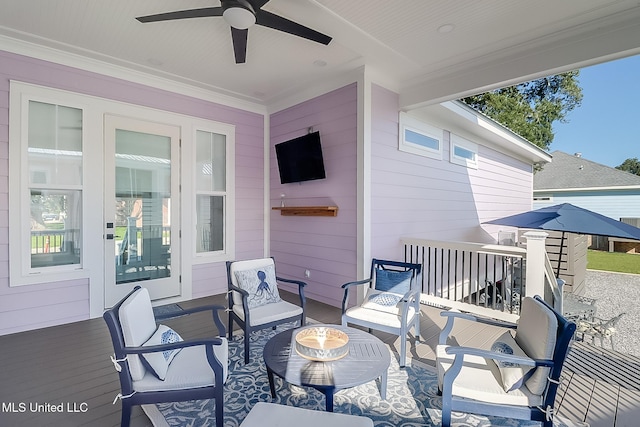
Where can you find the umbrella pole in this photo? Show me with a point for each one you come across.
(560, 256)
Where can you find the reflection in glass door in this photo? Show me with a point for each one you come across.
(142, 208)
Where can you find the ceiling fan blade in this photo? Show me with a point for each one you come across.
(268, 19)
(183, 14)
(239, 44)
(257, 4)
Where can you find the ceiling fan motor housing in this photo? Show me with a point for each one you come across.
(238, 13)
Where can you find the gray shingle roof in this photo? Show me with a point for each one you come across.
(569, 171)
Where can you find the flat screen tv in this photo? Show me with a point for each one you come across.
(300, 159)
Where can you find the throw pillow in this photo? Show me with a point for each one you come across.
(388, 302)
(398, 282)
(159, 362)
(513, 375)
(261, 285)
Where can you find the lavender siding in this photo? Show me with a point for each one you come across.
(326, 246)
(36, 306)
(415, 196)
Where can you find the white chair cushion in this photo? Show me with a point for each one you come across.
(479, 379)
(388, 302)
(159, 361)
(536, 334)
(269, 312)
(188, 369)
(512, 374)
(376, 319)
(138, 324)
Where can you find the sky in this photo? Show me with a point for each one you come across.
(606, 127)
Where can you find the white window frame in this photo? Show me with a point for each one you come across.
(228, 252)
(94, 110)
(409, 123)
(465, 144)
(20, 270)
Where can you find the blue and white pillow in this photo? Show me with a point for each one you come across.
(261, 285)
(159, 362)
(387, 302)
(398, 282)
(513, 375)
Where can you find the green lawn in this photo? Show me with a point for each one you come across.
(613, 261)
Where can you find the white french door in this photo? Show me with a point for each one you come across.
(141, 208)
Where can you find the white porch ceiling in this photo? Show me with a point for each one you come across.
(403, 43)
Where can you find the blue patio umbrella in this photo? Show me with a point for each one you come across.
(568, 218)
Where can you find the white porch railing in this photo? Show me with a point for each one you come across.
(553, 286)
(486, 279)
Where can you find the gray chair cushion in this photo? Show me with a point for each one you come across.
(536, 334)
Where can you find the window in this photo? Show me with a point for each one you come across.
(463, 152)
(211, 192)
(419, 138)
(55, 184)
(47, 140)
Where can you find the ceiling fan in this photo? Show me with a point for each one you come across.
(240, 15)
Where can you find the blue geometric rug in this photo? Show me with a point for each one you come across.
(412, 398)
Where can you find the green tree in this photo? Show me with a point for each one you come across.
(530, 109)
(630, 165)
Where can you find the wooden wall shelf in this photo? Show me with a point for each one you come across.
(307, 210)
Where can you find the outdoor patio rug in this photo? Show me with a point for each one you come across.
(412, 398)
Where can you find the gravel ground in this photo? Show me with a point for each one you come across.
(617, 293)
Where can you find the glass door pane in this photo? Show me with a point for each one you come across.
(142, 206)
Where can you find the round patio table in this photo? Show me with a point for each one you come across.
(368, 359)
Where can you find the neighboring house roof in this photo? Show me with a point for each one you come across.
(573, 172)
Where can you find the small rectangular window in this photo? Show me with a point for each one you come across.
(419, 138)
(463, 152)
(211, 191)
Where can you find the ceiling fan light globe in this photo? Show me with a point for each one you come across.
(239, 17)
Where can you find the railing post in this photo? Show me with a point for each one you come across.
(536, 249)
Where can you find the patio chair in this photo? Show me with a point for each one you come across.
(155, 365)
(255, 302)
(391, 303)
(517, 378)
(596, 327)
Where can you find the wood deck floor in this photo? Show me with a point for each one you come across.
(69, 365)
